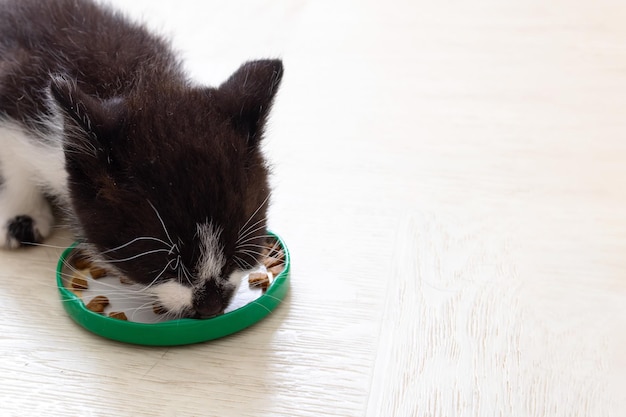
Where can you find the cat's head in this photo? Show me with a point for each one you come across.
(168, 184)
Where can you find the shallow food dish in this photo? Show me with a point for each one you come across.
(249, 306)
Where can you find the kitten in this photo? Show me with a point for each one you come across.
(162, 179)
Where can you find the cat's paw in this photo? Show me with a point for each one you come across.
(25, 216)
(21, 230)
(24, 230)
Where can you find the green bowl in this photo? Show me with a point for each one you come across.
(179, 331)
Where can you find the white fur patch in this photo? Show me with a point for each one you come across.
(28, 166)
(212, 259)
(178, 299)
(27, 156)
(237, 275)
(175, 297)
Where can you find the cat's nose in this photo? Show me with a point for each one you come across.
(206, 311)
(207, 301)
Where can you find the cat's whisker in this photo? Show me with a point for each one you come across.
(243, 265)
(252, 229)
(254, 214)
(145, 306)
(258, 225)
(250, 251)
(137, 239)
(162, 223)
(272, 297)
(131, 289)
(262, 236)
(259, 304)
(246, 265)
(253, 236)
(137, 256)
(155, 280)
(252, 245)
(44, 245)
(186, 274)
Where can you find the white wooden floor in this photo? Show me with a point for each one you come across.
(451, 180)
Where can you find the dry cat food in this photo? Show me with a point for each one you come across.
(79, 282)
(98, 303)
(158, 309)
(119, 315)
(273, 250)
(276, 269)
(270, 261)
(274, 259)
(274, 262)
(97, 272)
(259, 279)
(80, 261)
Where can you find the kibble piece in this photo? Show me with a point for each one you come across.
(125, 281)
(96, 307)
(118, 315)
(158, 309)
(98, 303)
(80, 261)
(97, 272)
(79, 283)
(259, 279)
(276, 269)
(270, 248)
(256, 277)
(271, 261)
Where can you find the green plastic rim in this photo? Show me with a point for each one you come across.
(180, 331)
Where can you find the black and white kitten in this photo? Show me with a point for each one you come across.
(163, 179)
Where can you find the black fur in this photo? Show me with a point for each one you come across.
(140, 139)
(21, 228)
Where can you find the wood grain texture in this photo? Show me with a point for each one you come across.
(450, 179)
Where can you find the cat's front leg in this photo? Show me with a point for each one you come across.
(25, 214)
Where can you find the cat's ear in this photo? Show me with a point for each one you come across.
(248, 94)
(94, 117)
